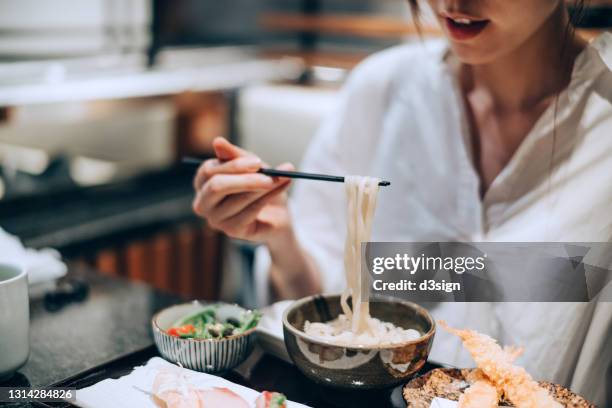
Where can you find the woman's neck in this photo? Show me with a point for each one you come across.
(533, 73)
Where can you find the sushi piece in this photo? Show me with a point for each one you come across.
(221, 397)
(171, 389)
(269, 399)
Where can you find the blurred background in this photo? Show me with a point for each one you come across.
(99, 100)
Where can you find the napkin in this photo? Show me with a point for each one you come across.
(134, 389)
(442, 403)
(270, 330)
(42, 266)
(272, 318)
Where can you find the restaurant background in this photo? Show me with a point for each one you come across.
(100, 99)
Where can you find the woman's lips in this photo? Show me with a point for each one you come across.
(464, 28)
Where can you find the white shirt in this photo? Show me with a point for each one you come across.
(401, 119)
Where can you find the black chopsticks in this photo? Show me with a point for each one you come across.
(290, 174)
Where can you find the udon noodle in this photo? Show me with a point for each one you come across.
(355, 326)
(361, 194)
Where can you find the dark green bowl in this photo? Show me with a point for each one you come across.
(360, 367)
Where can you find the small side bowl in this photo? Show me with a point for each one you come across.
(357, 367)
(205, 355)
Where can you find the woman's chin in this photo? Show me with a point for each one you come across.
(471, 55)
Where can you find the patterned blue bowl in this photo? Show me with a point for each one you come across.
(205, 355)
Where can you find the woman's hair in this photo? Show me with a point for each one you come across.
(576, 15)
(414, 5)
(414, 8)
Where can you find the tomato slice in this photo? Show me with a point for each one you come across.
(178, 331)
(187, 329)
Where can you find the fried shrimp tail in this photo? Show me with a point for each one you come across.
(513, 352)
(496, 363)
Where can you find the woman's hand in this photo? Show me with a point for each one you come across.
(237, 200)
(244, 204)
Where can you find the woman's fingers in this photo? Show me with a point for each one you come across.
(285, 166)
(221, 185)
(246, 164)
(227, 151)
(231, 198)
(230, 159)
(235, 203)
(239, 224)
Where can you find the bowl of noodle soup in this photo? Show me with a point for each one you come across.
(346, 340)
(354, 361)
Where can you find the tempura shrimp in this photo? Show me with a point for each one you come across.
(496, 363)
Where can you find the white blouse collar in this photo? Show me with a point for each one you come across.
(595, 59)
(602, 45)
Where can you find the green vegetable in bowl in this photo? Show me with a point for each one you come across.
(204, 324)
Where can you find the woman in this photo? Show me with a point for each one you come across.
(502, 133)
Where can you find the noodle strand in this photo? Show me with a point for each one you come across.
(355, 326)
(361, 194)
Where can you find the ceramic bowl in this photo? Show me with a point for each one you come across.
(205, 355)
(358, 367)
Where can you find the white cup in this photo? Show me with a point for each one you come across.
(14, 319)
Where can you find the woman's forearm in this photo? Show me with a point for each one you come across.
(293, 272)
